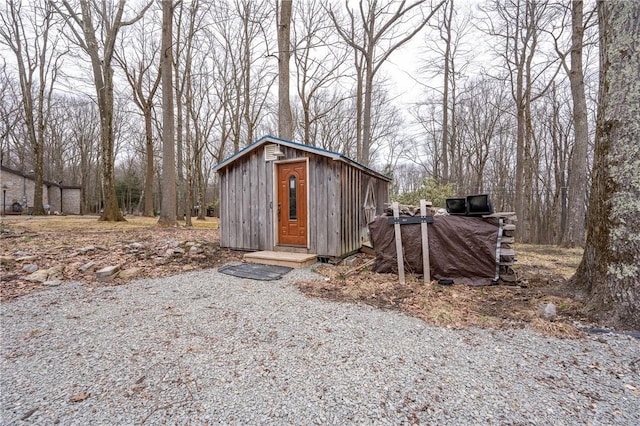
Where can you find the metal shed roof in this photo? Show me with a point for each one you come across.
(308, 148)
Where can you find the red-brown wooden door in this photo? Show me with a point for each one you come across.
(292, 203)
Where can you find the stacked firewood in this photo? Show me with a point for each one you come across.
(409, 210)
(507, 250)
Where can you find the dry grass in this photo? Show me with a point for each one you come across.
(91, 223)
(543, 271)
(549, 260)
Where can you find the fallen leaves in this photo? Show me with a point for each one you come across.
(90, 245)
(457, 306)
(79, 397)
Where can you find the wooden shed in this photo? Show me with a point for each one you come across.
(280, 195)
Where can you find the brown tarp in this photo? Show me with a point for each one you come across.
(461, 248)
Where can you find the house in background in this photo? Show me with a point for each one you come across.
(280, 195)
(19, 187)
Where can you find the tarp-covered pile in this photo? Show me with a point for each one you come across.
(461, 248)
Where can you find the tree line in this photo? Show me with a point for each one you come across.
(82, 97)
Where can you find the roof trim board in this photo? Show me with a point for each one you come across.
(295, 145)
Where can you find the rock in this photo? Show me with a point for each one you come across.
(6, 260)
(547, 311)
(30, 268)
(52, 283)
(173, 243)
(190, 243)
(38, 276)
(56, 272)
(195, 250)
(29, 258)
(21, 253)
(129, 273)
(350, 261)
(86, 249)
(87, 266)
(107, 273)
(136, 245)
(174, 251)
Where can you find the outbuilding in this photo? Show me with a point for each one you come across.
(18, 189)
(280, 195)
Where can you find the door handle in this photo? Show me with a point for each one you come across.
(279, 209)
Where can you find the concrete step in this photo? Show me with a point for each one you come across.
(279, 258)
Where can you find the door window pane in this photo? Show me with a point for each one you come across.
(293, 206)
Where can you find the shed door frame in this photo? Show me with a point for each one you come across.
(275, 197)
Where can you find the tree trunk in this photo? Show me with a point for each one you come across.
(574, 232)
(359, 78)
(610, 267)
(168, 209)
(148, 179)
(448, 15)
(285, 120)
(368, 99)
(111, 211)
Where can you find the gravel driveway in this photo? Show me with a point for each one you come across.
(206, 348)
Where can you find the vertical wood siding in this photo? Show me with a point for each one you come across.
(336, 198)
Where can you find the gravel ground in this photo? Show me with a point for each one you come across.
(206, 348)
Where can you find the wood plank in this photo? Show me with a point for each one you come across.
(280, 258)
(507, 252)
(270, 204)
(224, 208)
(263, 209)
(508, 240)
(344, 213)
(352, 238)
(361, 267)
(500, 214)
(244, 212)
(322, 212)
(312, 194)
(233, 205)
(425, 244)
(400, 258)
(509, 227)
(333, 204)
(254, 203)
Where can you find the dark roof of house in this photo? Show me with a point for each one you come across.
(308, 148)
(30, 176)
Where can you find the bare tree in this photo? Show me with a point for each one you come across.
(610, 271)
(244, 65)
(285, 120)
(28, 32)
(168, 206)
(519, 30)
(574, 232)
(375, 32)
(84, 133)
(317, 59)
(100, 47)
(137, 61)
(10, 116)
